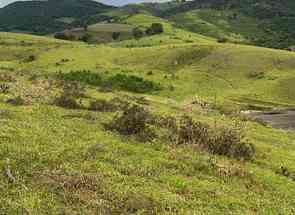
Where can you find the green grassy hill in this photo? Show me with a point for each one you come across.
(264, 22)
(220, 24)
(59, 98)
(43, 17)
(100, 33)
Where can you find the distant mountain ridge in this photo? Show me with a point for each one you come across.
(268, 23)
(41, 17)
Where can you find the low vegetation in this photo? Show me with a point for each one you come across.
(143, 126)
(134, 120)
(69, 95)
(221, 140)
(119, 81)
(102, 105)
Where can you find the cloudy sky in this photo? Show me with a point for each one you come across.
(114, 2)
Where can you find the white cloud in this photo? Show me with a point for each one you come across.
(123, 2)
(111, 2)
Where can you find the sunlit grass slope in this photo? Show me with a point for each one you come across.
(64, 161)
(220, 24)
(171, 35)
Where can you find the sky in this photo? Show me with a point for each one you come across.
(113, 2)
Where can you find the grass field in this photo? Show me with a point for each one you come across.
(220, 24)
(58, 160)
(102, 32)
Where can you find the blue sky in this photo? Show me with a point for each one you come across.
(114, 2)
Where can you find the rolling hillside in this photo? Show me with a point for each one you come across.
(159, 124)
(58, 155)
(264, 22)
(267, 23)
(43, 17)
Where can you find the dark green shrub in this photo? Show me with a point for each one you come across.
(69, 95)
(191, 132)
(30, 58)
(149, 31)
(86, 38)
(256, 74)
(116, 35)
(231, 142)
(64, 36)
(119, 81)
(149, 73)
(134, 120)
(132, 83)
(137, 33)
(228, 141)
(222, 40)
(156, 28)
(60, 36)
(83, 76)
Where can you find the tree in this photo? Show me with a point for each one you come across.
(116, 35)
(149, 31)
(156, 28)
(137, 33)
(64, 36)
(222, 40)
(85, 27)
(85, 38)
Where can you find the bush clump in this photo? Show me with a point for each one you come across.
(231, 142)
(134, 120)
(30, 58)
(191, 132)
(132, 83)
(83, 76)
(228, 141)
(102, 105)
(222, 40)
(116, 35)
(155, 28)
(256, 74)
(69, 95)
(137, 33)
(64, 36)
(119, 81)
